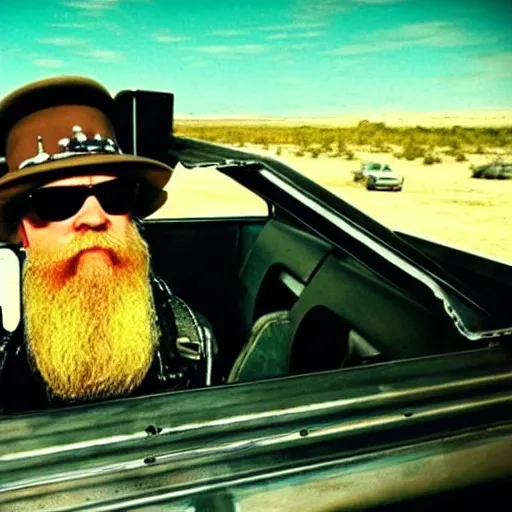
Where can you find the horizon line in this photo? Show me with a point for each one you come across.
(474, 118)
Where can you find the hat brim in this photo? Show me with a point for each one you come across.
(149, 172)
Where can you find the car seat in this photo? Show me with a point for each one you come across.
(267, 352)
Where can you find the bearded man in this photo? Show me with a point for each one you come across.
(96, 322)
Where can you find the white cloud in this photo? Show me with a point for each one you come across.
(102, 55)
(358, 49)
(62, 41)
(308, 10)
(91, 5)
(101, 4)
(301, 46)
(495, 66)
(232, 50)
(48, 63)
(432, 33)
(292, 26)
(282, 58)
(229, 32)
(437, 33)
(98, 7)
(69, 25)
(298, 35)
(378, 2)
(170, 39)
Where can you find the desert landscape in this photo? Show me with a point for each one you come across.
(440, 200)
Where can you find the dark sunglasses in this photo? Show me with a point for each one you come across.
(51, 204)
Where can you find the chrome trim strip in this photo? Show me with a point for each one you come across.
(208, 355)
(341, 428)
(293, 284)
(322, 407)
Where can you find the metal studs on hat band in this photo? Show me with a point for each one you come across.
(41, 156)
(78, 145)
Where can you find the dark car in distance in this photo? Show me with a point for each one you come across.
(497, 170)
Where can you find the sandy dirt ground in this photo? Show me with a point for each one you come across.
(440, 202)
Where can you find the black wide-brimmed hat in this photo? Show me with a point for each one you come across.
(61, 127)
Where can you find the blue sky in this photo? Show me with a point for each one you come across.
(271, 57)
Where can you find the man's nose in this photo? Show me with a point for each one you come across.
(91, 216)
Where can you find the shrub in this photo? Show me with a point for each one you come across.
(428, 160)
(413, 151)
(358, 176)
(341, 151)
(314, 152)
(341, 148)
(416, 142)
(325, 143)
(278, 150)
(460, 157)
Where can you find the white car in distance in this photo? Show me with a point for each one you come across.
(379, 176)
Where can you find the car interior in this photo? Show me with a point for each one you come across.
(283, 301)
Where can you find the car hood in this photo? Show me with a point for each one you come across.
(383, 174)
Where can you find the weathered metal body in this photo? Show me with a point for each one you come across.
(335, 441)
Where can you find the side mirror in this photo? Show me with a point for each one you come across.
(10, 287)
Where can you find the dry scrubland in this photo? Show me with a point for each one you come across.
(440, 200)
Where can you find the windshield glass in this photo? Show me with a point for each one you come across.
(425, 86)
